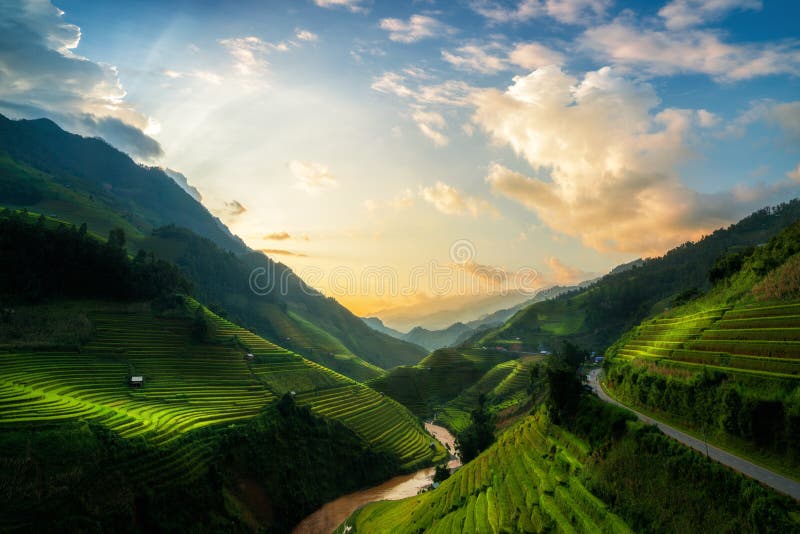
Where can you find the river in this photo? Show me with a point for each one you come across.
(332, 514)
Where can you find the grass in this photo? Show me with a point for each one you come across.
(529, 480)
(188, 385)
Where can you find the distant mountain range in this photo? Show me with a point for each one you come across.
(459, 332)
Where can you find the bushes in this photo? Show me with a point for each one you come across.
(708, 400)
(658, 485)
(781, 284)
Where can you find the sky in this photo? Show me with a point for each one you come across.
(413, 157)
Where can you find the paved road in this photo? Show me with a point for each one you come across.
(765, 476)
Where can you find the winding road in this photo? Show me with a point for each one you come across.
(747, 468)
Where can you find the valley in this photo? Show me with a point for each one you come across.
(145, 382)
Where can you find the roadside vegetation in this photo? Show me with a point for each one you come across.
(726, 364)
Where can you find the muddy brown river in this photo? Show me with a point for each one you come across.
(332, 514)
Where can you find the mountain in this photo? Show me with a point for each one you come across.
(439, 312)
(594, 317)
(376, 324)
(459, 333)
(732, 361)
(435, 339)
(197, 438)
(145, 196)
(81, 180)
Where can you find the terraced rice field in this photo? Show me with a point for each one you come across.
(529, 481)
(188, 385)
(438, 378)
(754, 340)
(504, 385)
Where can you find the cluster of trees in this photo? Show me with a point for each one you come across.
(770, 420)
(41, 262)
(556, 385)
(301, 461)
(479, 434)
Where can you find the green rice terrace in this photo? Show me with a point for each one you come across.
(731, 371)
(528, 481)
(188, 385)
(438, 378)
(755, 340)
(505, 386)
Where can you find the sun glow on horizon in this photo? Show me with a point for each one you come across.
(358, 136)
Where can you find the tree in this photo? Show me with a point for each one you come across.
(200, 327)
(479, 435)
(441, 473)
(116, 238)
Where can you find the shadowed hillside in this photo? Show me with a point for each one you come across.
(82, 180)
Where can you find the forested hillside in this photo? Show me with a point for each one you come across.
(727, 363)
(213, 409)
(596, 316)
(86, 181)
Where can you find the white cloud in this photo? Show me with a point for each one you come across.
(787, 116)
(416, 28)
(449, 92)
(494, 57)
(565, 275)
(476, 58)
(202, 75)
(430, 124)
(566, 11)
(403, 201)
(682, 14)
(671, 52)
(312, 176)
(534, 55)
(794, 174)
(306, 35)
(41, 75)
(249, 54)
(576, 11)
(392, 83)
(233, 209)
(450, 201)
(604, 161)
(706, 118)
(353, 5)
